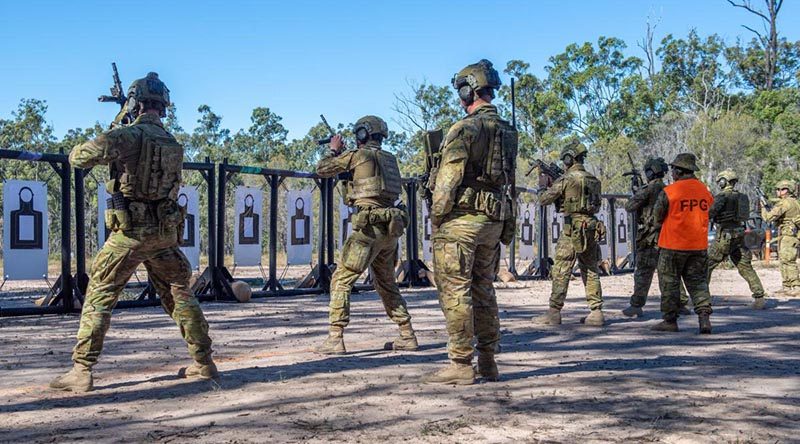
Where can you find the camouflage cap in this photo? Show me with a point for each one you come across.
(685, 161)
(574, 148)
(728, 175)
(785, 184)
(373, 125)
(150, 88)
(478, 76)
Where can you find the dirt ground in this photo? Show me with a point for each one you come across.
(621, 383)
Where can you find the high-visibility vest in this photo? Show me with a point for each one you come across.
(686, 224)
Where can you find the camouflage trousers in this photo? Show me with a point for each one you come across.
(732, 245)
(787, 253)
(466, 257)
(588, 264)
(691, 267)
(370, 247)
(169, 271)
(646, 264)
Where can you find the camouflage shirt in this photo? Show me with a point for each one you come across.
(115, 144)
(642, 203)
(785, 214)
(463, 152)
(568, 184)
(361, 162)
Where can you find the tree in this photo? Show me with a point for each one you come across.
(768, 42)
(209, 138)
(265, 137)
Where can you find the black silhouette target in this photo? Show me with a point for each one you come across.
(249, 228)
(526, 231)
(301, 224)
(27, 230)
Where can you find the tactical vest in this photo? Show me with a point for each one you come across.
(384, 183)
(735, 209)
(686, 224)
(151, 173)
(583, 195)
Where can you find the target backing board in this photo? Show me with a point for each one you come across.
(25, 230)
(248, 226)
(622, 230)
(527, 230)
(427, 241)
(298, 227)
(555, 226)
(189, 200)
(103, 230)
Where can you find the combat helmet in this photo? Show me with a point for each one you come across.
(685, 161)
(657, 165)
(785, 184)
(728, 175)
(368, 126)
(574, 148)
(476, 77)
(150, 88)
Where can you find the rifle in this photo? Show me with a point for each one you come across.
(636, 176)
(432, 141)
(762, 199)
(549, 169)
(117, 96)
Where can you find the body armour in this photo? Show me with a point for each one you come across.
(731, 209)
(576, 192)
(376, 178)
(478, 168)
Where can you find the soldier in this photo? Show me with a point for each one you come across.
(146, 223)
(786, 215)
(577, 195)
(377, 224)
(681, 209)
(472, 212)
(642, 203)
(730, 211)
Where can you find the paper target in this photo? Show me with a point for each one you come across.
(189, 200)
(247, 226)
(298, 232)
(25, 230)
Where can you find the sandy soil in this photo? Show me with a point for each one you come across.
(621, 383)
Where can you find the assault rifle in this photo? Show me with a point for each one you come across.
(636, 176)
(117, 96)
(762, 198)
(549, 169)
(432, 141)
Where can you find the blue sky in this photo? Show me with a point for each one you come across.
(301, 58)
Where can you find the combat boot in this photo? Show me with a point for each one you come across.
(552, 317)
(633, 312)
(705, 323)
(79, 379)
(487, 367)
(407, 341)
(759, 303)
(200, 371)
(455, 373)
(665, 325)
(595, 318)
(334, 343)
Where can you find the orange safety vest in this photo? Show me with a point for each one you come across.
(686, 224)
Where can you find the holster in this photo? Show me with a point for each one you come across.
(117, 216)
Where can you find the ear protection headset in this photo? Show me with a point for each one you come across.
(466, 93)
(722, 182)
(362, 133)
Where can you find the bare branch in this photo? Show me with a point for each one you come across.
(747, 6)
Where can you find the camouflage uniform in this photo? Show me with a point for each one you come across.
(729, 240)
(579, 242)
(647, 251)
(377, 225)
(151, 238)
(466, 244)
(786, 215)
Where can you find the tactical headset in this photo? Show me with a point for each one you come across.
(362, 132)
(722, 182)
